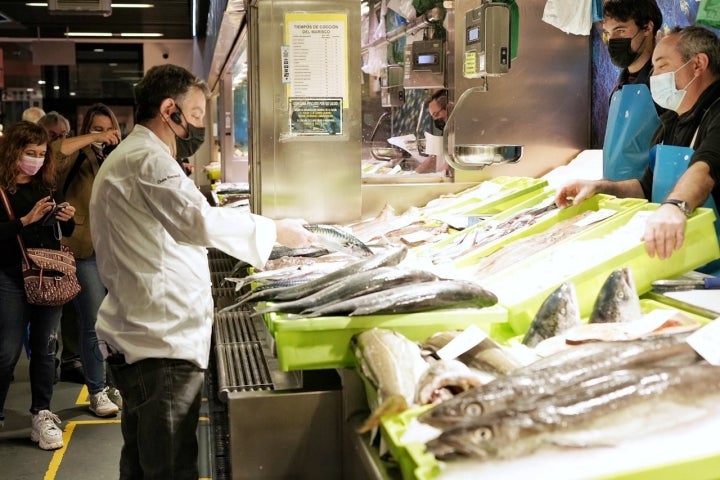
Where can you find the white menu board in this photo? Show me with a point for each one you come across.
(315, 55)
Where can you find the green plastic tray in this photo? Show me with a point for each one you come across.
(522, 291)
(324, 342)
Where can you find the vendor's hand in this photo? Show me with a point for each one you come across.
(664, 231)
(575, 192)
(109, 137)
(292, 233)
(66, 213)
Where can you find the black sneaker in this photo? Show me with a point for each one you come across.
(72, 372)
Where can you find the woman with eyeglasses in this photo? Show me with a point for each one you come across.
(27, 178)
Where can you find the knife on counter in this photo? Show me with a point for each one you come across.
(686, 284)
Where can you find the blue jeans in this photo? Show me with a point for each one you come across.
(15, 314)
(87, 304)
(161, 407)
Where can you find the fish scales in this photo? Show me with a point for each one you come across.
(555, 372)
(337, 239)
(412, 298)
(354, 285)
(617, 300)
(557, 314)
(623, 403)
(486, 356)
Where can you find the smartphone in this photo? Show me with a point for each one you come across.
(49, 217)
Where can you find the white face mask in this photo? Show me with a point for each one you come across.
(665, 93)
(31, 165)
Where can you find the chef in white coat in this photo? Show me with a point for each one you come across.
(150, 227)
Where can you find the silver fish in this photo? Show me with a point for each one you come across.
(336, 239)
(389, 257)
(487, 356)
(412, 298)
(356, 284)
(550, 374)
(601, 411)
(392, 364)
(558, 313)
(618, 300)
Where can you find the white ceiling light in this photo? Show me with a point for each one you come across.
(114, 5)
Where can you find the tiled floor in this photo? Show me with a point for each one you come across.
(92, 444)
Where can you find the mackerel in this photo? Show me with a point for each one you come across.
(412, 298)
(336, 239)
(360, 283)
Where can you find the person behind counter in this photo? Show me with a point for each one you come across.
(684, 81)
(437, 107)
(151, 226)
(27, 177)
(628, 29)
(57, 126)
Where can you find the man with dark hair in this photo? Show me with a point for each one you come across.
(150, 226)
(629, 29)
(686, 70)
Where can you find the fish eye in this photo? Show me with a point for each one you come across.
(482, 434)
(473, 409)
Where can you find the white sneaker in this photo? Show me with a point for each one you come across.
(114, 396)
(45, 430)
(101, 405)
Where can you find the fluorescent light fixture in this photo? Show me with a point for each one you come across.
(29, 89)
(72, 94)
(114, 5)
(41, 82)
(98, 50)
(88, 34)
(56, 87)
(194, 18)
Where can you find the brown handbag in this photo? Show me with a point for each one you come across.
(49, 275)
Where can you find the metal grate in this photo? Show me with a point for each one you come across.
(222, 265)
(241, 363)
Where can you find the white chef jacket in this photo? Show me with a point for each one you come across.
(150, 226)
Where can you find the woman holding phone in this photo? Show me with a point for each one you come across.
(27, 178)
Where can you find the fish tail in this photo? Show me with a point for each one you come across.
(393, 405)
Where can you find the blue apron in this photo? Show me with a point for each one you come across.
(632, 121)
(669, 162)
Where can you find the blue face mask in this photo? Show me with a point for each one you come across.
(664, 91)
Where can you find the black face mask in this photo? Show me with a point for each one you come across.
(186, 147)
(439, 124)
(621, 52)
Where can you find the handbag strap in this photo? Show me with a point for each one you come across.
(11, 216)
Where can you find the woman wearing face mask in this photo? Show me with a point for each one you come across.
(27, 176)
(79, 159)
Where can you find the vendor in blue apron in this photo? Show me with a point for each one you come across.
(628, 29)
(685, 81)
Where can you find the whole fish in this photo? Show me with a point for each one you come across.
(614, 407)
(393, 365)
(557, 314)
(411, 298)
(282, 251)
(618, 299)
(444, 379)
(360, 283)
(487, 356)
(388, 257)
(335, 239)
(550, 374)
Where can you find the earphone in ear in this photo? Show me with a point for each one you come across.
(175, 117)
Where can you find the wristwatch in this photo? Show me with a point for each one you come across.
(681, 204)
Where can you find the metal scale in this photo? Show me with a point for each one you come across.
(486, 53)
(424, 65)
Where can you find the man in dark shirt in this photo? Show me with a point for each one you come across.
(685, 81)
(629, 29)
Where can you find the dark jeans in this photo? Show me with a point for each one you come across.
(161, 406)
(15, 315)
